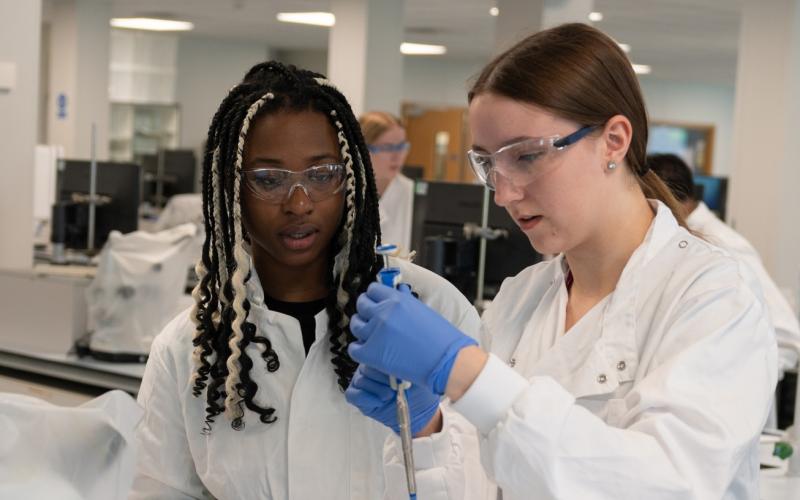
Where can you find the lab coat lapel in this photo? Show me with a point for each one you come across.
(593, 362)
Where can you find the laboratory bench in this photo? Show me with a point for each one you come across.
(67, 373)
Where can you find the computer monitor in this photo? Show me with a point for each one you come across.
(119, 182)
(715, 192)
(179, 175)
(413, 171)
(441, 209)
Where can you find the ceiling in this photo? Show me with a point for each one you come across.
(683, 40)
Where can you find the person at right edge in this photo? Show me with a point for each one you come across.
(640, 362)
(678, 176)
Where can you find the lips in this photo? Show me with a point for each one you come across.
(298, 237)
(527, 222)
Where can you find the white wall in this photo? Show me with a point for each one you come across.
(207, 69)
(429, 80)
(312, 60)
(426, 80)
(20, 24)
(696, 103)
(79, 56)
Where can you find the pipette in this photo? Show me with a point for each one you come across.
(391, 276)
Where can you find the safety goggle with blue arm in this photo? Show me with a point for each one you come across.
(521, 163)
(275, 185)
(400, 147)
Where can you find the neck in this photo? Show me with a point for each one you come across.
(291, 284)
(381, 185)
(597, 264)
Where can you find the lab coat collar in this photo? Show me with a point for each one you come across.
(700, 215)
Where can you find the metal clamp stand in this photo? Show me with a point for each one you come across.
(484, 232)
(92, 191)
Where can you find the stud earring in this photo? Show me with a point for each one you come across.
(612, 165)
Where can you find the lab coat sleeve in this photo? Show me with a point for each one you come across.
(447, 463)
(681, 432)
(165, 466)
(784, 319)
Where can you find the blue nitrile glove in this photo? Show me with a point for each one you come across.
(371, 393)
(399, 335)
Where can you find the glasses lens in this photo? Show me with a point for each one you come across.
(400, 147)
(522, 160)
(323, 181)
(482, 166)
(269, 184)
(274, 185)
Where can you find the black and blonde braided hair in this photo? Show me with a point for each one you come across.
(220, 314)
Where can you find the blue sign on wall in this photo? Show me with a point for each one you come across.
(61, 106)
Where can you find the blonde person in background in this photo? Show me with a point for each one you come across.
(388, 148)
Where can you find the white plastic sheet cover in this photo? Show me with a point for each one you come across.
(139, 287)
(86, 452)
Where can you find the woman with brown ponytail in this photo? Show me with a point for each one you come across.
(637, 364)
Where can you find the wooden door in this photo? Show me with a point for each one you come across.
(439, 140)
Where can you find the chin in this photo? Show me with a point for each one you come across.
(546, 246)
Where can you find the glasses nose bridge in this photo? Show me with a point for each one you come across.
(290, 191)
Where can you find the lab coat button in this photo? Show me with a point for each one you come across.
(683, 244)
(601, 379)
(512, 362)
(621, 365)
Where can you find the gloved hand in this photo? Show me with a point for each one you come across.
(371, 392)
(399, 335)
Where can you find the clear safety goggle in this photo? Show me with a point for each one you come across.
(522, 162)
(400, 147)
(275, 185)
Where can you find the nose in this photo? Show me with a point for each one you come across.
(505, 192)
(298, 201)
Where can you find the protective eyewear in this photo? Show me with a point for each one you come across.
(275, 185)
(522, 162)
(400, 147)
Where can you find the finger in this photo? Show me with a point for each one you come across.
(365, 401)
(379, 293)
(374, 374)
(359, 328)
(365, 306)
(404, 288)
(382, 392)
(359, 352)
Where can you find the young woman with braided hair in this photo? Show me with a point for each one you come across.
(243, 395)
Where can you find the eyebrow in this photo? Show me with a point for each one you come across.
(505, 143)
(309, 159)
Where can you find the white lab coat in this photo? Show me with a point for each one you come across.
(87, 452)
(709, 226)
(319, 447)
(659, 392)
(396, 208)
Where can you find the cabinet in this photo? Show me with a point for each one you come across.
(142, 129)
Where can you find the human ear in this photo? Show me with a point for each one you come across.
(617, 135)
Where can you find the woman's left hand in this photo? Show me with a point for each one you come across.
(371, 392)
(399, 335)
